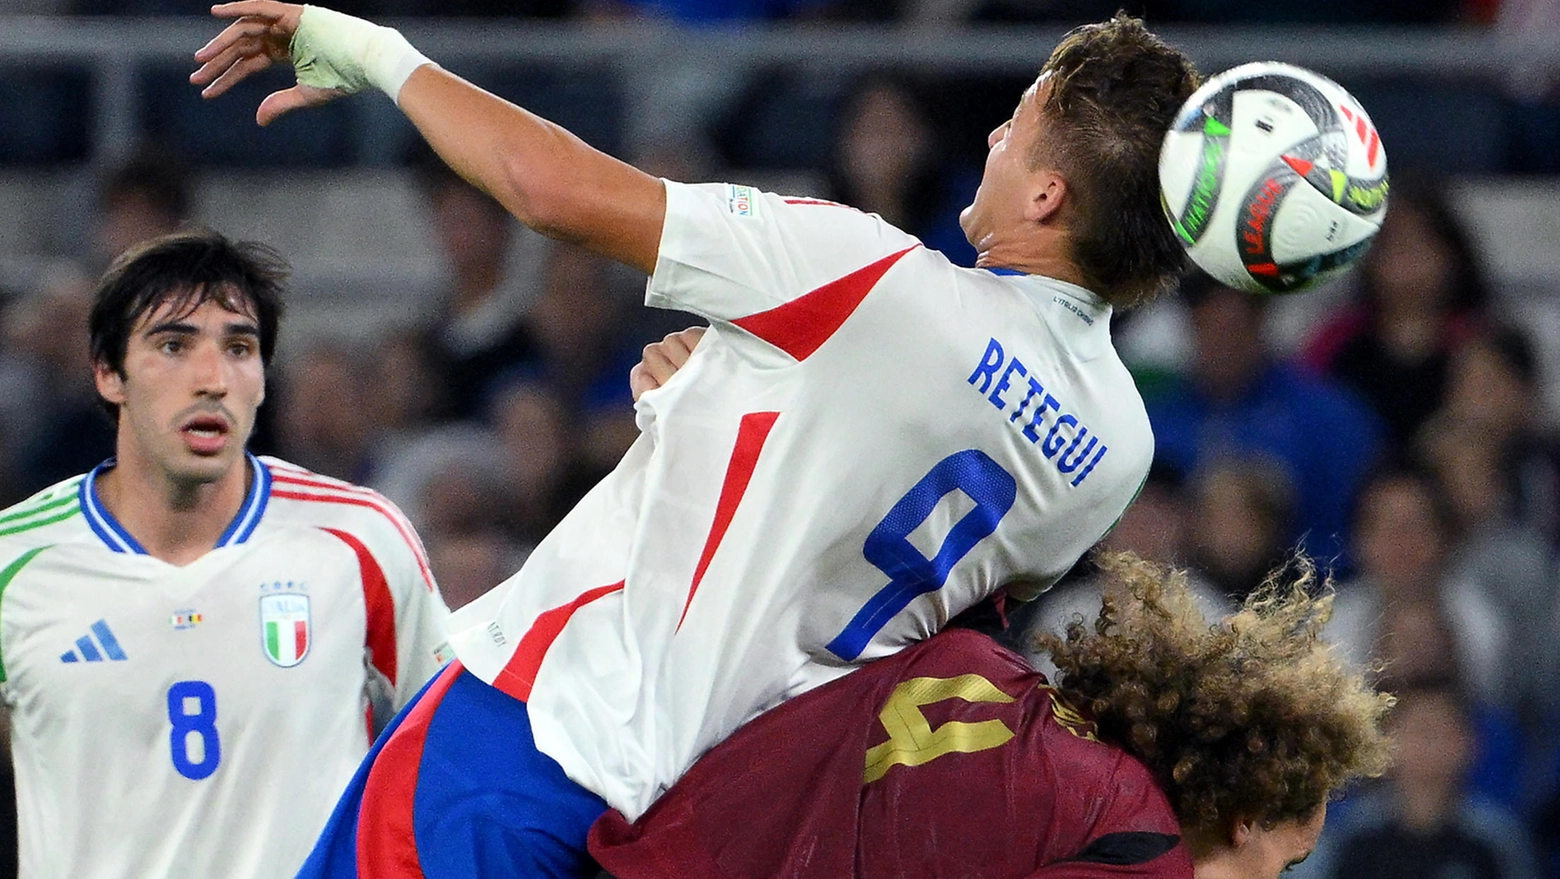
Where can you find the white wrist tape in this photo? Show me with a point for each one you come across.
(336, 51)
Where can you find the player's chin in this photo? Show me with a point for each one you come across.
(200, 467)
(966, 220)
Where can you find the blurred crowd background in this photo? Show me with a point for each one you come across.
(1399, 426)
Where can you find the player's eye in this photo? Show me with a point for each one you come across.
(171, 345)
(241, 348)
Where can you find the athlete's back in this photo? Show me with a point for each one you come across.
(868, 441)
(201, 720)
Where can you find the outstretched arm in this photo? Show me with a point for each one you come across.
(544, 175)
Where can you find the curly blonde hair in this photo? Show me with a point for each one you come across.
(1251, 717)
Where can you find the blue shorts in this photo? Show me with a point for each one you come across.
(455, 787)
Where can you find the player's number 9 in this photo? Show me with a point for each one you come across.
(192, 709)
(910, 573)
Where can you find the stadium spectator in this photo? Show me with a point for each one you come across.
(1404, 537)
(405, 399)
(45, 330)
(888, 161)
(468, 562)
(1239, 522)
(22, 402)
(1493, 403)
(314, 429)
(148, 196)
(1421, 294)
(544, 475)
(1236, 400)
(494, 275)
(1423, 822)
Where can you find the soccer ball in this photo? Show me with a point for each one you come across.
(1273, 178)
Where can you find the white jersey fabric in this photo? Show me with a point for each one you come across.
(868, 441)
(201, 721)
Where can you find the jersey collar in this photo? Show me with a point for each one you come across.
(118, 539)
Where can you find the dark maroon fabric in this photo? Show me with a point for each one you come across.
(785, 796)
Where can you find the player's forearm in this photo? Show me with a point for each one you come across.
(543, 174)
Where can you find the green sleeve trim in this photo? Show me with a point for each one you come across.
(6, 576)
(39, 523)
(33, 509)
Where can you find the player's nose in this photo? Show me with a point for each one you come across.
(210, 373)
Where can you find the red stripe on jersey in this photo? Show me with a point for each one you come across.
(744, 459)
(380, 606)
(519, 674)
(300, 638)
(300, 476)
(801, 326)
(386, 835)
(371, 500)
(818, 201)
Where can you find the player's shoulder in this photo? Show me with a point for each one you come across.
(742, 202)
(298, 494)
(47, 517)
(360, 516)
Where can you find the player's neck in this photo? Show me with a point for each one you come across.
(1030, 264)
(1031, 248)
(177, 521)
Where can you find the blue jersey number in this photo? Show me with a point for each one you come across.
(909, 572)
(199, 724)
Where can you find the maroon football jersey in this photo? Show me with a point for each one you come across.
(952, 758)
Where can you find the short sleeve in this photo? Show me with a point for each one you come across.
(728, 251)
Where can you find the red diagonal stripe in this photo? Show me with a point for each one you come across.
(386, 835)
(379, 634)
(1375, 147)
(801, 326)
(519, 674)
(817, 201)
(751, 435)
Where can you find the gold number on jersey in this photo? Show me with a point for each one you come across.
(911, 739)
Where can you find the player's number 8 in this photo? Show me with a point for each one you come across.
(201, 724)
(910, 573)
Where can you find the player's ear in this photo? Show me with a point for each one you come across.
(1240, 832)
(110, 384)
(1048, 190)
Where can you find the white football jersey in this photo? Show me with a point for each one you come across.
(868, 441)
(201, 721)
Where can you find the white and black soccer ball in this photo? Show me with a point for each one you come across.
(1273, 178)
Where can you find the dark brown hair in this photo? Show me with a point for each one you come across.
(1251, 717)
(1115, 89)
(186, 269)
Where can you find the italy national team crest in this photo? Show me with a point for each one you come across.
(284, 628)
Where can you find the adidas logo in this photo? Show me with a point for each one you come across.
(88, 650)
